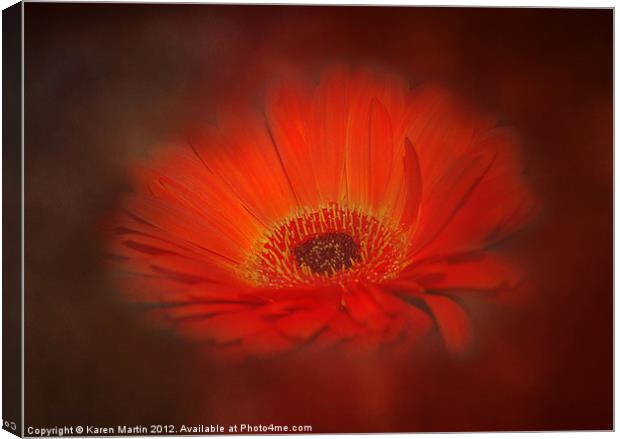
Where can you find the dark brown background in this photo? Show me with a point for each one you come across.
(104, 83)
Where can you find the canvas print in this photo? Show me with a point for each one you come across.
(244, 219)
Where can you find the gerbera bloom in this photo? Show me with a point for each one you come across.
(352, 212)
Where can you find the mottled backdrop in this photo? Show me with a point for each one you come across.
(107, 82)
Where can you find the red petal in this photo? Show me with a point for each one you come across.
(343, 326)
(306, 323)
(501, 203)
(150, 289)
(267, 343)
(418, 323)
(483, 271)
(453, 323)
(442, 129)
(215, 292)
(224, 328)
(448, 195)
(204, 310)
(363, 309)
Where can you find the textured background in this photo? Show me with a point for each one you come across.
(104, 83)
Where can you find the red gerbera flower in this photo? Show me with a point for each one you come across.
(351, 213)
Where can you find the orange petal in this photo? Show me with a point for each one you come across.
(242, 152)
(413, 185)
(328, 133)
(288, 112)
(197, 189)
(184, 227)
(381, 152)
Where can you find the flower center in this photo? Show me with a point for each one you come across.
(333, 244)
(327, 253)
